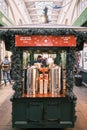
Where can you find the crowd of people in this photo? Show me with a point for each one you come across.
(44, 61)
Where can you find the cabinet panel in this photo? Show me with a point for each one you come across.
(19, 111)
(66, 111)
(34, 112)
(52, 112)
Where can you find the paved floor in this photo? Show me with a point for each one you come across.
(5, 91)
(6, 108)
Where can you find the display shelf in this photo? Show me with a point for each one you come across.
(38, 95)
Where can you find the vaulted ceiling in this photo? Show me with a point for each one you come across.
(43, 10)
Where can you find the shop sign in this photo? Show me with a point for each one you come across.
(39, 40)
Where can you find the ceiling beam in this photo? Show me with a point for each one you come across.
(49, 19)
(43, 14)
(34, 8)
(43, 0)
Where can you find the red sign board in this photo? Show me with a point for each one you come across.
(39, 40)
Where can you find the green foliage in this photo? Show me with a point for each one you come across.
(9, 35)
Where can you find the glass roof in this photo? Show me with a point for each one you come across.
(41, 8)
(46, 11)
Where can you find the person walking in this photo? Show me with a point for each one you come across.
(6, 70)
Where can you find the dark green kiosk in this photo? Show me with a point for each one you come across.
(38, 101)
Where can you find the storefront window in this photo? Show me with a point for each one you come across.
(85, 57)
(82, 58)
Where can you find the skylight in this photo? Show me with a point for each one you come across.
(40, 6)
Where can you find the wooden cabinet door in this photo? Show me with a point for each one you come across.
(34, 112)
(52, 112)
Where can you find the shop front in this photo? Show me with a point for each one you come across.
(43, 95)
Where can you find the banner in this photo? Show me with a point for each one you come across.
(39, 40)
